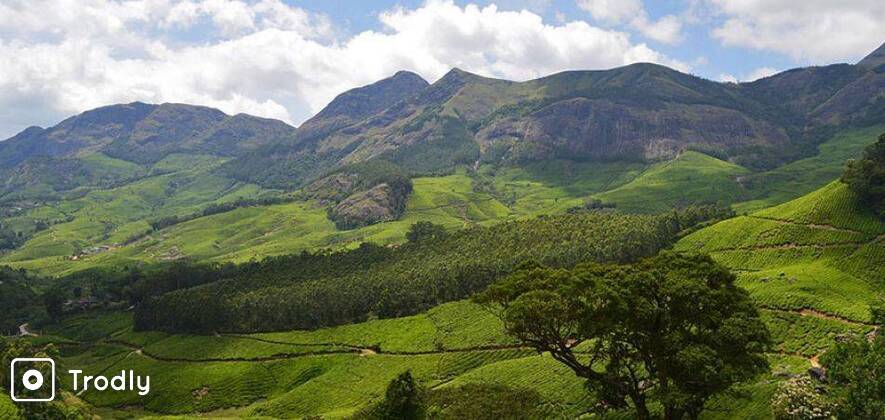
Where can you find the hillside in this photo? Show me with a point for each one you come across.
(332, 372)
(153, 183)
(690, 178)
(822, 252)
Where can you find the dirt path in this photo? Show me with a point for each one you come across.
(810, 225)
(790, 245)
(24, 332)
(820, 315)
(353, 350)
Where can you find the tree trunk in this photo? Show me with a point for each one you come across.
(642, 412)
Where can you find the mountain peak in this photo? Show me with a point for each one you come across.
(370, 99)
(874, 59)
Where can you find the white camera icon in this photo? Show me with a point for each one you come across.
(27, 382)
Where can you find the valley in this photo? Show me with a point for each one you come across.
(480, 242)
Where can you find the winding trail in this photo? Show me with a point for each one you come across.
(820, 315)
(809, 225)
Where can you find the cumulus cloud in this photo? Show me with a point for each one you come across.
(266, 58)
(819, 31)
(756, 74)
(667, 29)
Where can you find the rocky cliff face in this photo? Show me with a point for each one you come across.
(377, 204)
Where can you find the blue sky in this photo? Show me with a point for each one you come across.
(287, 59)
(709, 58)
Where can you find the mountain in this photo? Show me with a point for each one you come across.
(460, 151)
(640, 113)
(83, 150)
(874, 60)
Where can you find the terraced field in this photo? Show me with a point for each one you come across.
(331, 372)
(823, 251)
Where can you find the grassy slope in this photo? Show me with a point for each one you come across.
(822, 251)
(281, 374)
(806, 175)
(114, 216)
(106, 217)
(276, 374)
(692, 177)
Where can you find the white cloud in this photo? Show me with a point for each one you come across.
(756, 74)
(59, 57)
(819, 31)
(667, 29)
(728, 78)
(760, 73)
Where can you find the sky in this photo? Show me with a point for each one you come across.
(287, 59)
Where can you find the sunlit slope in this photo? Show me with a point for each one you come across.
(823, 251)
(555, 185)
(330, 372)
(690, 178)
(334, 372)
(249, 232)
(113, 217)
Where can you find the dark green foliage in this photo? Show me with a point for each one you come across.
(403, 400)
(591, 204)
(425, 231)
(18, 301)
(857, 371)
(53, 301)
(693, 215)
(9, 239)
(282, 166)
(866, 176)
(673, 326)
(352, 286)
(483, 402)
(449, 144)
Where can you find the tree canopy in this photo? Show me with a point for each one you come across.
(866, 176)
(672, 326)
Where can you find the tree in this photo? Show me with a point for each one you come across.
(856, 369)
(402, 401)
(797, 399)
(422, 231)
(54, 300)
(866, 176)
(674, 324)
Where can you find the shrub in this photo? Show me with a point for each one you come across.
(797, 399)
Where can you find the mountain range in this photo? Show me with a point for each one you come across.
(358, 155)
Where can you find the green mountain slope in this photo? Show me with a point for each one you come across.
(806, 175)
(690, 178)
(823, 251)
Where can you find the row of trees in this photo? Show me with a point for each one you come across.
(312, 291)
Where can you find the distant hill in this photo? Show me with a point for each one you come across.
(147, 183)
(110, 145)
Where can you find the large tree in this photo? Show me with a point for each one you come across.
(866, 175)
(674, 328)
(856, 369)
